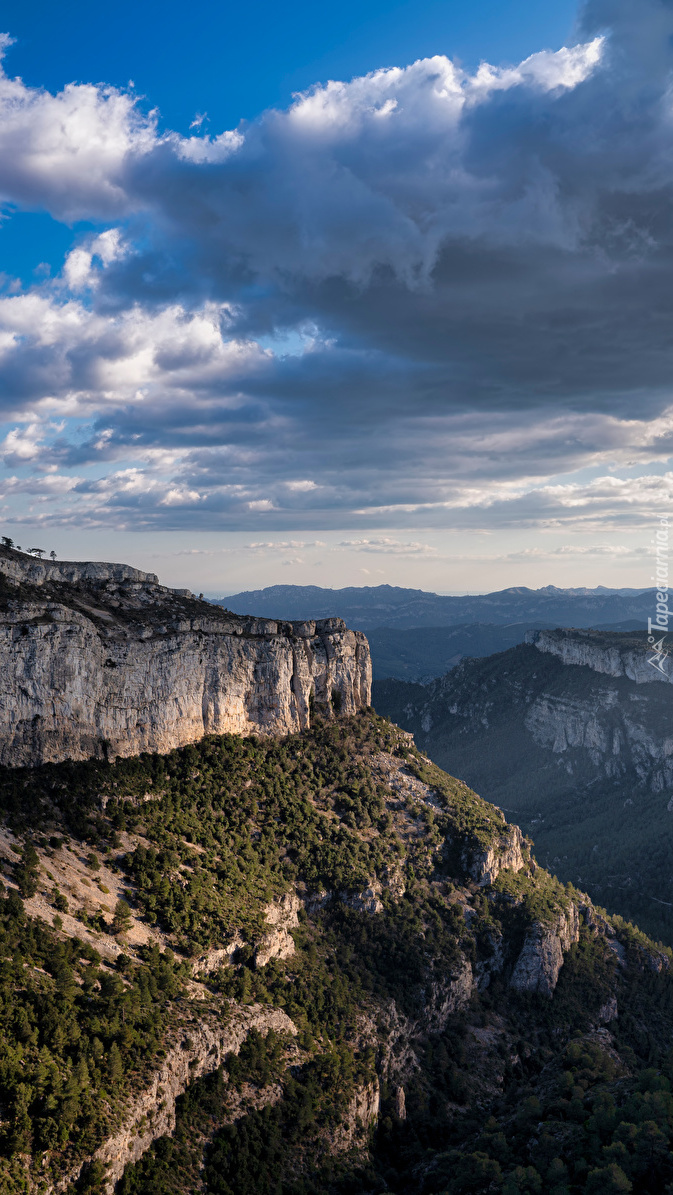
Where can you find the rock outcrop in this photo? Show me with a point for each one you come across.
(503, 854)
(363, 1108)
(444, 999)
(602, 653)
(25, 569)
(539, 963)
(564, 733)
(152, 1114)
(99, 659)
(576, 703)
(281, 916)
(367, 901)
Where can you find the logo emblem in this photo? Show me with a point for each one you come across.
(659, 656)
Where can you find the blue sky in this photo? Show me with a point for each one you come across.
(236, 60)
(410, 325)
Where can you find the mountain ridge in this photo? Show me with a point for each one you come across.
(309, 962)
(419, 978)
(393, 606)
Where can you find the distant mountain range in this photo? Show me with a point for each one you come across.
(415, 635)
(364, 608)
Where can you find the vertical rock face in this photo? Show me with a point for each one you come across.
(361, 1114)
(448, 997)
(504, 854)
(629, 657)
(110, 662)
(537, 967)
(281, 917)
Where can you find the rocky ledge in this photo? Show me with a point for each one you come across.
(101, 660)
(617, 654)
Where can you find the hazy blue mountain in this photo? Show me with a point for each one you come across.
(416, 635)
(366, 607)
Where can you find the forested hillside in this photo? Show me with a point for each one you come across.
(315, 966)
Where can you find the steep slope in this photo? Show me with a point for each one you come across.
(571, 735)
(99, 659)
(345, 959)
(367, 607)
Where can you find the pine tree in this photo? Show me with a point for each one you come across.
(115, 1063)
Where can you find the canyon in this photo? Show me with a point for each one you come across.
(571, 734)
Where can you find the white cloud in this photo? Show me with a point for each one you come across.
(548, 70)
(388, 547)
(260, 504)
(89, 152)
(256, 548)
(69, 152)
(74, 360)
(202, 150)
(79, 270)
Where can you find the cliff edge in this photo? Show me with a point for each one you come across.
(101, 660)
(613, 654)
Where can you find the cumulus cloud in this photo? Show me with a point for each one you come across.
(66, 357)
(471, 271)
(68, 153)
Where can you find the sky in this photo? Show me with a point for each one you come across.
(380, 293)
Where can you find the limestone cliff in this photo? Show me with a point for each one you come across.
(539, 963)
(613, 655)
(577, 705)
(504, 852)
(99, 659)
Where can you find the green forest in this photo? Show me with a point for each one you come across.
(511, 1092)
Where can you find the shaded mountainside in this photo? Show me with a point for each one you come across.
(367, 607)
(315, 965)
(99, 659)
(566, 735)
(421, 653)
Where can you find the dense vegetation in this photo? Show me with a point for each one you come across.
(579, 1112)
(75, 1037)
(232, 822)
(252, 1155)
(507, 1093)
